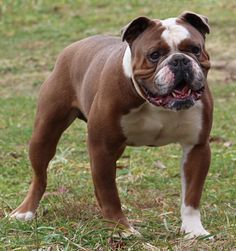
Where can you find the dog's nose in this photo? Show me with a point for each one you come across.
(180, 61)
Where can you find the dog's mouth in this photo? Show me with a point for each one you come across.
(178, 99)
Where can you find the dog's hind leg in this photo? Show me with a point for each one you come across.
(54, 114)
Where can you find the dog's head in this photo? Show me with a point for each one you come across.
(167, 59)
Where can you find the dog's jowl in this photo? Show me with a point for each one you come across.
(147, 88)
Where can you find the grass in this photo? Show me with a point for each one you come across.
(32, 34)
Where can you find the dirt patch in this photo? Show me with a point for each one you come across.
(25, 84)
(229, 68)
(222, 72)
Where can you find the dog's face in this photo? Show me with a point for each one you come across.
(167, 59)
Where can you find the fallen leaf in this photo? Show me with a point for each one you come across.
(60, 190)
(160, 165)
(116, 244)
(150, 247)
(217, 139)
(228, 144)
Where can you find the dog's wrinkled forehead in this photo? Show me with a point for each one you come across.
(174, 32)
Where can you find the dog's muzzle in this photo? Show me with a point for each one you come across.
(178, 84)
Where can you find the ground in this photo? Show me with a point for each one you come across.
(32, 33)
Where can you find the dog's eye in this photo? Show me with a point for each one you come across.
(154, 56)
(195, 50)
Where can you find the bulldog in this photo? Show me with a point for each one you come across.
(147, 88)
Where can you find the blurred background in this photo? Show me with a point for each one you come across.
(34, 32)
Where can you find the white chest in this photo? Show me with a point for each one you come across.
(151, 125)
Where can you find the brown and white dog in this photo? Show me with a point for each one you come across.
(149, 90)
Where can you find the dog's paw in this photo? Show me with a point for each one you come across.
(26, 216)
(194, 231)
(191, 223)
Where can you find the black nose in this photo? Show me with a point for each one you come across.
(180, 61)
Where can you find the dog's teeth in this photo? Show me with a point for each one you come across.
(174, 94)
(177, 92)
(189, 92)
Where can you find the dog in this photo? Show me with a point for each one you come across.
(147, 88)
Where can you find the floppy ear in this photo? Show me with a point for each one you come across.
(197, 21)
(132, 30)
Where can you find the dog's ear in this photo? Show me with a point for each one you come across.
(199, 22)
(132, 30)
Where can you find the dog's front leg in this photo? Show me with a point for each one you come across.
(195, 165)
(103, 166)
(105, 145)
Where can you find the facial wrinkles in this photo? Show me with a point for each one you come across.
(144, 73)
(204, 60)
(174, 33)
(142, 69)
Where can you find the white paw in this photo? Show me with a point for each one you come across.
(191, 223)
(23, 216)
(193, 231)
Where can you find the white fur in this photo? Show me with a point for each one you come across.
(191, 222)
(151, 125)
(127, 67)
(186, 151)
(174, 33)
(127, 64)
(23, 216)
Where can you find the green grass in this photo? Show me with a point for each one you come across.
(32, 33)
